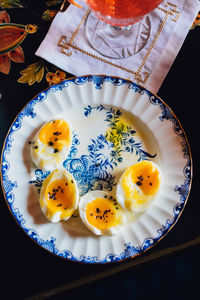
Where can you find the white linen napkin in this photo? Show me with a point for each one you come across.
(67, 46)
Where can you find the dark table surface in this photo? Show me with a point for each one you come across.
(171, 268)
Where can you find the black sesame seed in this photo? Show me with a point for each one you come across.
(72, 181)
(52, 196)
(59, 205)
(150, 183)
(140, 178)
(55, 150)
(139, 183)
(56, 133)
(50, 143)
(97, 210)
(36, 147)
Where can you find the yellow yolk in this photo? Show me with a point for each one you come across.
(60, 196)
(147, 178)
(55, 134)
(101, 213)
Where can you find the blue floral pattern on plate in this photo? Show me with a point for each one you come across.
(91, 170)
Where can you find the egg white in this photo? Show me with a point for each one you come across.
(43, 155)
(132, 203)
(119, 214)
(59, 214)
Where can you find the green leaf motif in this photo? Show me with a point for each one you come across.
(49, 14)
(32, 73)
(10, 3)
(53, 2)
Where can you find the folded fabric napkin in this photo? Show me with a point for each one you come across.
(158, 39)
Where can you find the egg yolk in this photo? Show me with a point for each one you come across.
(60, 195)
(55, 134)
(101, 213)
(145, 175)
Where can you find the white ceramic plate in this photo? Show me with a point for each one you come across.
(142, 127)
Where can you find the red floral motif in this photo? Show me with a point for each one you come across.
(55, 78)
(16, 55)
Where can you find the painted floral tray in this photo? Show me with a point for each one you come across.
(115, 124)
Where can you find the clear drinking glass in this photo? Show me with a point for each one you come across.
(111, 25)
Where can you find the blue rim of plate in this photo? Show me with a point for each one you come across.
(130, 251)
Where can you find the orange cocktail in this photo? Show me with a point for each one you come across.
(122, 12)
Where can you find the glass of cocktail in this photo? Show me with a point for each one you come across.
(111, 25)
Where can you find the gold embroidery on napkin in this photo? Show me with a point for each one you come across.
(64, 44)
(172, 11)
(68, 45)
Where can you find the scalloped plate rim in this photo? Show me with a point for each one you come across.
(49, 245)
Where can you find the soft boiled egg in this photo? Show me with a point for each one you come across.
(101, 213)
(59, 196)
(51, 144)
(138, 186)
